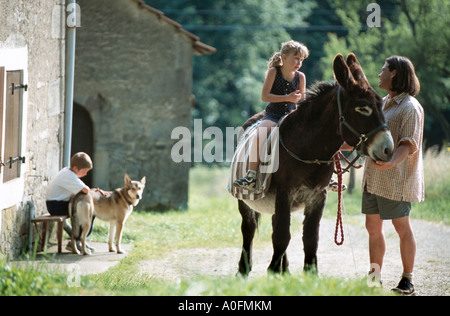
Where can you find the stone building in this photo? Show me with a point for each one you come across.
(32, 53)
(133, 77)
(133, 80)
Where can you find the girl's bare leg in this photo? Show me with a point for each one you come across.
(263, 131)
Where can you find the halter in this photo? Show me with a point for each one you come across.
(362, 137)
(359, 146)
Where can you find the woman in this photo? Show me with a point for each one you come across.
(390, 187)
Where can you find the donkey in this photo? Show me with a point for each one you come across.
(333, 112)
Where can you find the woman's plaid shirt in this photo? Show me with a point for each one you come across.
(405, 118)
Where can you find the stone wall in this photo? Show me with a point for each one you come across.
(14, 230)
(134, 76)
(37, 29)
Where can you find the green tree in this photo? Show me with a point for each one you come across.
(246, 33)
(413, 28)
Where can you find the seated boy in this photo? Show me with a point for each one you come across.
(66, 184)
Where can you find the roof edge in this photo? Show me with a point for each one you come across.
(199, 47)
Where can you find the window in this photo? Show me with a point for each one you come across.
(2, 92)
(12, 158)
(13, 117)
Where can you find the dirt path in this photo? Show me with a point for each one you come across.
(351, 260)
(100, 261)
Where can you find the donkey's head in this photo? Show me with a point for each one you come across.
(361, 122)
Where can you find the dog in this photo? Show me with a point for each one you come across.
(113, 208)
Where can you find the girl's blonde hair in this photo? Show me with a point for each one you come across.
(287, 48)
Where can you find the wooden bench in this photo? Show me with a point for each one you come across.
(45, 219)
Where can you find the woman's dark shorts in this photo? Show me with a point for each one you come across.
(388, 209)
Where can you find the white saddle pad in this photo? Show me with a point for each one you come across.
(243, 156)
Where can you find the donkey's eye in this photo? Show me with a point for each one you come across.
(364, 110)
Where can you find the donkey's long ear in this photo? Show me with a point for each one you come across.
(342, 73)
(356, 71)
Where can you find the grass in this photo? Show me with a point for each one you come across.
(436, 207)
(272, 285)
(212, 220)
(30, 281)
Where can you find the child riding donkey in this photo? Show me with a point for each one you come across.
(284, 86)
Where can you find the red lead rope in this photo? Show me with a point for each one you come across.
(337, 161)
(339, 212)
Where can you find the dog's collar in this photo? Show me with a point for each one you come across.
(126, 197)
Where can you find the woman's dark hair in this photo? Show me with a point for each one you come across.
(405, 79)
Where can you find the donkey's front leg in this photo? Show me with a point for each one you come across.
(281, 222)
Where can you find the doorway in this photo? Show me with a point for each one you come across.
(83, 137)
